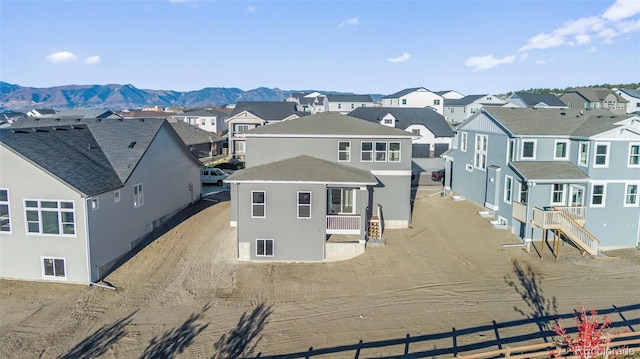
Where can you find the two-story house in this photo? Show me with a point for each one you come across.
(41, 112)
(208, 120)
(345, 103)
(312, 102)
(78, 195)
(251, 114)
(415, 97)
(633, 99)
(535, 100)
(592, 98)
(202, 144)
(449, 94)
(87, 113)
(458, 110)
(566, 170)
(316, 178)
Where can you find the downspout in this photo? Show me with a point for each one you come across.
(86, 238)
(524, 243)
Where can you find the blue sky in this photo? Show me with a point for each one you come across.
(469, 46)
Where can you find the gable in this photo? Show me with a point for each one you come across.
(244, 116)
(619, 133)
(481, 123)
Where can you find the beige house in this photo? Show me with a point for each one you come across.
(595, 98)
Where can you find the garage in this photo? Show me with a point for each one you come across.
(439, 149)
(421, 150)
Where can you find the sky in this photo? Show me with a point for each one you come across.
(374, 47)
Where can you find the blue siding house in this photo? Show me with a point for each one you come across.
(573, 171)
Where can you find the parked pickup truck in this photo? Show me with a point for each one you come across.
(212, 175)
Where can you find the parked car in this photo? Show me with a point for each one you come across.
(437, 176)
(212, 175)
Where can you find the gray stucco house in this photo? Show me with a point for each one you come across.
(538, 170)
(315, 178)
(77, 195)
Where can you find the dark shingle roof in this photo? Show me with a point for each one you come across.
(266, 110)
(304, 169)
(403, 92)
(462, 101)
(533, 99)
(348, 98)
(593, 94)
(550, 122)
(328, 124)
(631, 92)
(204, 113)
(192, 135)
(549, 170)
(85, 113)
(435, 122)
(45, 111)
(68, 152)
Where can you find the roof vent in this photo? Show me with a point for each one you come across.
(77, 127)
(59, 129)
(132, 144)
(40, 130)
(77, 120)
(57, 119)
(20, 131)
(599, 116)
(141, 120)
(98, 119)
(563, 113)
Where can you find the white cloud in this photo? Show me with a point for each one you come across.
(353, 22)
(592, 49)
(583, 39)
(93, 60)
(524, 56)
(251, 9)
(61, 56)
(622, 9)
(402, 58)
(486, 62)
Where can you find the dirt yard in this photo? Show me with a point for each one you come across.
(184, 295)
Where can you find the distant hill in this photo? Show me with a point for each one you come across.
(118, 97)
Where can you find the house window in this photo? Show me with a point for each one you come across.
(241, 128)
(480, 158)
(404, 101)
(631, 195)
(394, 151)
(511, 150)
(634, 155)
(353, 106)
(341, 200)
(388, 121)
(264, 247)
(583, 153)
(344, 151)
(381, 152)
(416, 131)
(557, 194)
(529, 149)
(116, 196)
(94, 204)
(258, 204)
(436, 102)
(203, 122)
(561, 150)
(304, 204)
(598, 194)
(366, 151)
(463, 141)
(508, 188)
(524, 192)
(138, 196)
(240, 146)
(5, 218)
(50, 217)
(452, 109)
(468, 167)
(602, 155)
(53, 268)
(339, 106)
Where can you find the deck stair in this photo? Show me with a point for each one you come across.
(569, 223)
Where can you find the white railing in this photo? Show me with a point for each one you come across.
(519, 211)
(578, 213)
(343, 224)
(559, 219)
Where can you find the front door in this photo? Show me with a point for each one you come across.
(341, 201)
(492, 190)
(577, 196)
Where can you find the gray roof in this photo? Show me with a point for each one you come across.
(594, 94)
(348, 98)
(304, 169)
(45, 111)
(204, 113)
(403, 92)
(192, 135)
(328, 124)
(85, 113)
(266, 110)
(123, 141)
(532, 99)
(435, 122)
(462, 101)
(549, 170)
(69, 152)
(442, 92)
(550, 122)
(631, 92)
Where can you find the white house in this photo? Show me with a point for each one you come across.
(415, 97)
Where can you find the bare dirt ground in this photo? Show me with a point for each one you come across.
(184, 295)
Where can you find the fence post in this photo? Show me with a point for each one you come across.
(455, 342)
(309, 353)
(495, 330)
(406, 346)
(358, 350)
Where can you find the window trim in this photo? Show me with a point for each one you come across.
(604, 194)
(244, 146)
(566, 149)
(481, 152)
(299, 205)
(264, 247)
(468, 167)
(535, 149)
(92, 201)
(595, 154)
(511, 150)
(7, 203)
(363, 151)
(58, 210)
(586, 153)
(116, 196)
(626, 193)
(463, 141)
(138, 203)
(631, 145)
(389, 151)
(53, 277)
(264, 203)
(508, 191)
(563, 194)
(376, 151)
(347, 151)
